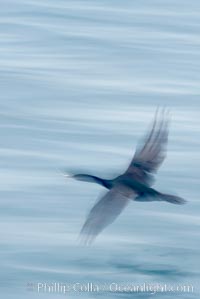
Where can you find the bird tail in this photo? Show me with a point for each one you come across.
(172, 199)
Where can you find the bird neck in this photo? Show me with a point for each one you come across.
(94, 179)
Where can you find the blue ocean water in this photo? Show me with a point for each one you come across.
(80, 82)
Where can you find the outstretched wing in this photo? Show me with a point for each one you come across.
(151, 153)
(104, 212)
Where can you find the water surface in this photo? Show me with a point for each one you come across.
(80, 81)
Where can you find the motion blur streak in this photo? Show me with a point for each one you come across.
(80, 81)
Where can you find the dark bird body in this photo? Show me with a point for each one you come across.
(135, 184)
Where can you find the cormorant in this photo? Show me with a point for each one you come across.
(134, 184)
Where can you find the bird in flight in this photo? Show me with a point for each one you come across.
(135, 184)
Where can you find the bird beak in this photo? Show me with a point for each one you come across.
(66, 175)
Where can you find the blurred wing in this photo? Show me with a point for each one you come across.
(151, 153)
(104, 212)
